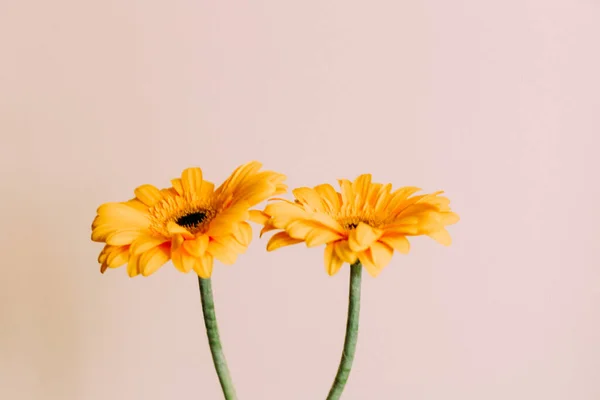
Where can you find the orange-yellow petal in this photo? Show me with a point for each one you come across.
(145, 242)
(281, 239)
(182, 260)
(342, 249)
(223, 252)
(196, 247)
(175, 229)
(397, 242)
(332, 262)
(381, 254)
(148, 194)
(242, 232)
(204, 266)
(362, 237)
(318, 237)
(309, 197)
(153, 259)
(191, 180)
(442, 237)
(259, 217)
(133, 268)
(123, 237)
(366, 259)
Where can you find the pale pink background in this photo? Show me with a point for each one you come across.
(496, 102)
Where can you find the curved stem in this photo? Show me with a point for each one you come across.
(351, 333)
(212, 331)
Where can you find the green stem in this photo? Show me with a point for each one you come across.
(212, 331)
(351, 334)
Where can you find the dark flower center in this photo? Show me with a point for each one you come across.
(351, 226)
(191, 220)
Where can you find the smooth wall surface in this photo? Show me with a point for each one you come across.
(495, 102)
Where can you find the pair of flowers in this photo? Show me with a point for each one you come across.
(192, 223)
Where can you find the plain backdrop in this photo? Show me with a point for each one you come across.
(495, 102)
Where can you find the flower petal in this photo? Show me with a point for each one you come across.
(330, 197)
(332, 262)
(196, 247)
(191, 180)
(175, 229)
(223, 223)
(148, 194)
(133, 268)
(258, 217)
(204, 266)
(182, 260)
(342, 249)
(281, 239)
(123, 237)
(310, 198)
(396, 241)
(242, 232)
(153, 259)
(177, 185)
(366, 260)
(145, 242)
(442, 237)
(222, 252)
(381, 254)
(363, 236)
(318, 237)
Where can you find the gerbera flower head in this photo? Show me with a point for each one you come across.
(190, 223)
(364, 222)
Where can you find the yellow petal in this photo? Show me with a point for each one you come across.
(449, 218)
(153, 259)
(397, 242)
(442, 237)
(362, 237)
(145, 242)
(399, 196)
(191, 180)
(242, 232)
(148, 194)
(122, 237)
(361, 186)
(225, 254)
(366, 259)
(342, 249)
(309, 197)
(176, 242)
(175, 229)
(281, 239)
(122, 214)
(118, 256)
(330, 197)
(183, 261)
(318, 237)
(284, 212)
(133, 267)
(258, 217)
(382, 254)
(347, 192)
(332, 262)
(223, 223)
(204, 266)
(177, 185)
(196, 247)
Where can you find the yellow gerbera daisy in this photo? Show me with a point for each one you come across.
(366, 222)
(190, 223)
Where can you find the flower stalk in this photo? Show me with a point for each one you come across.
(214, 341)
(351, 333)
